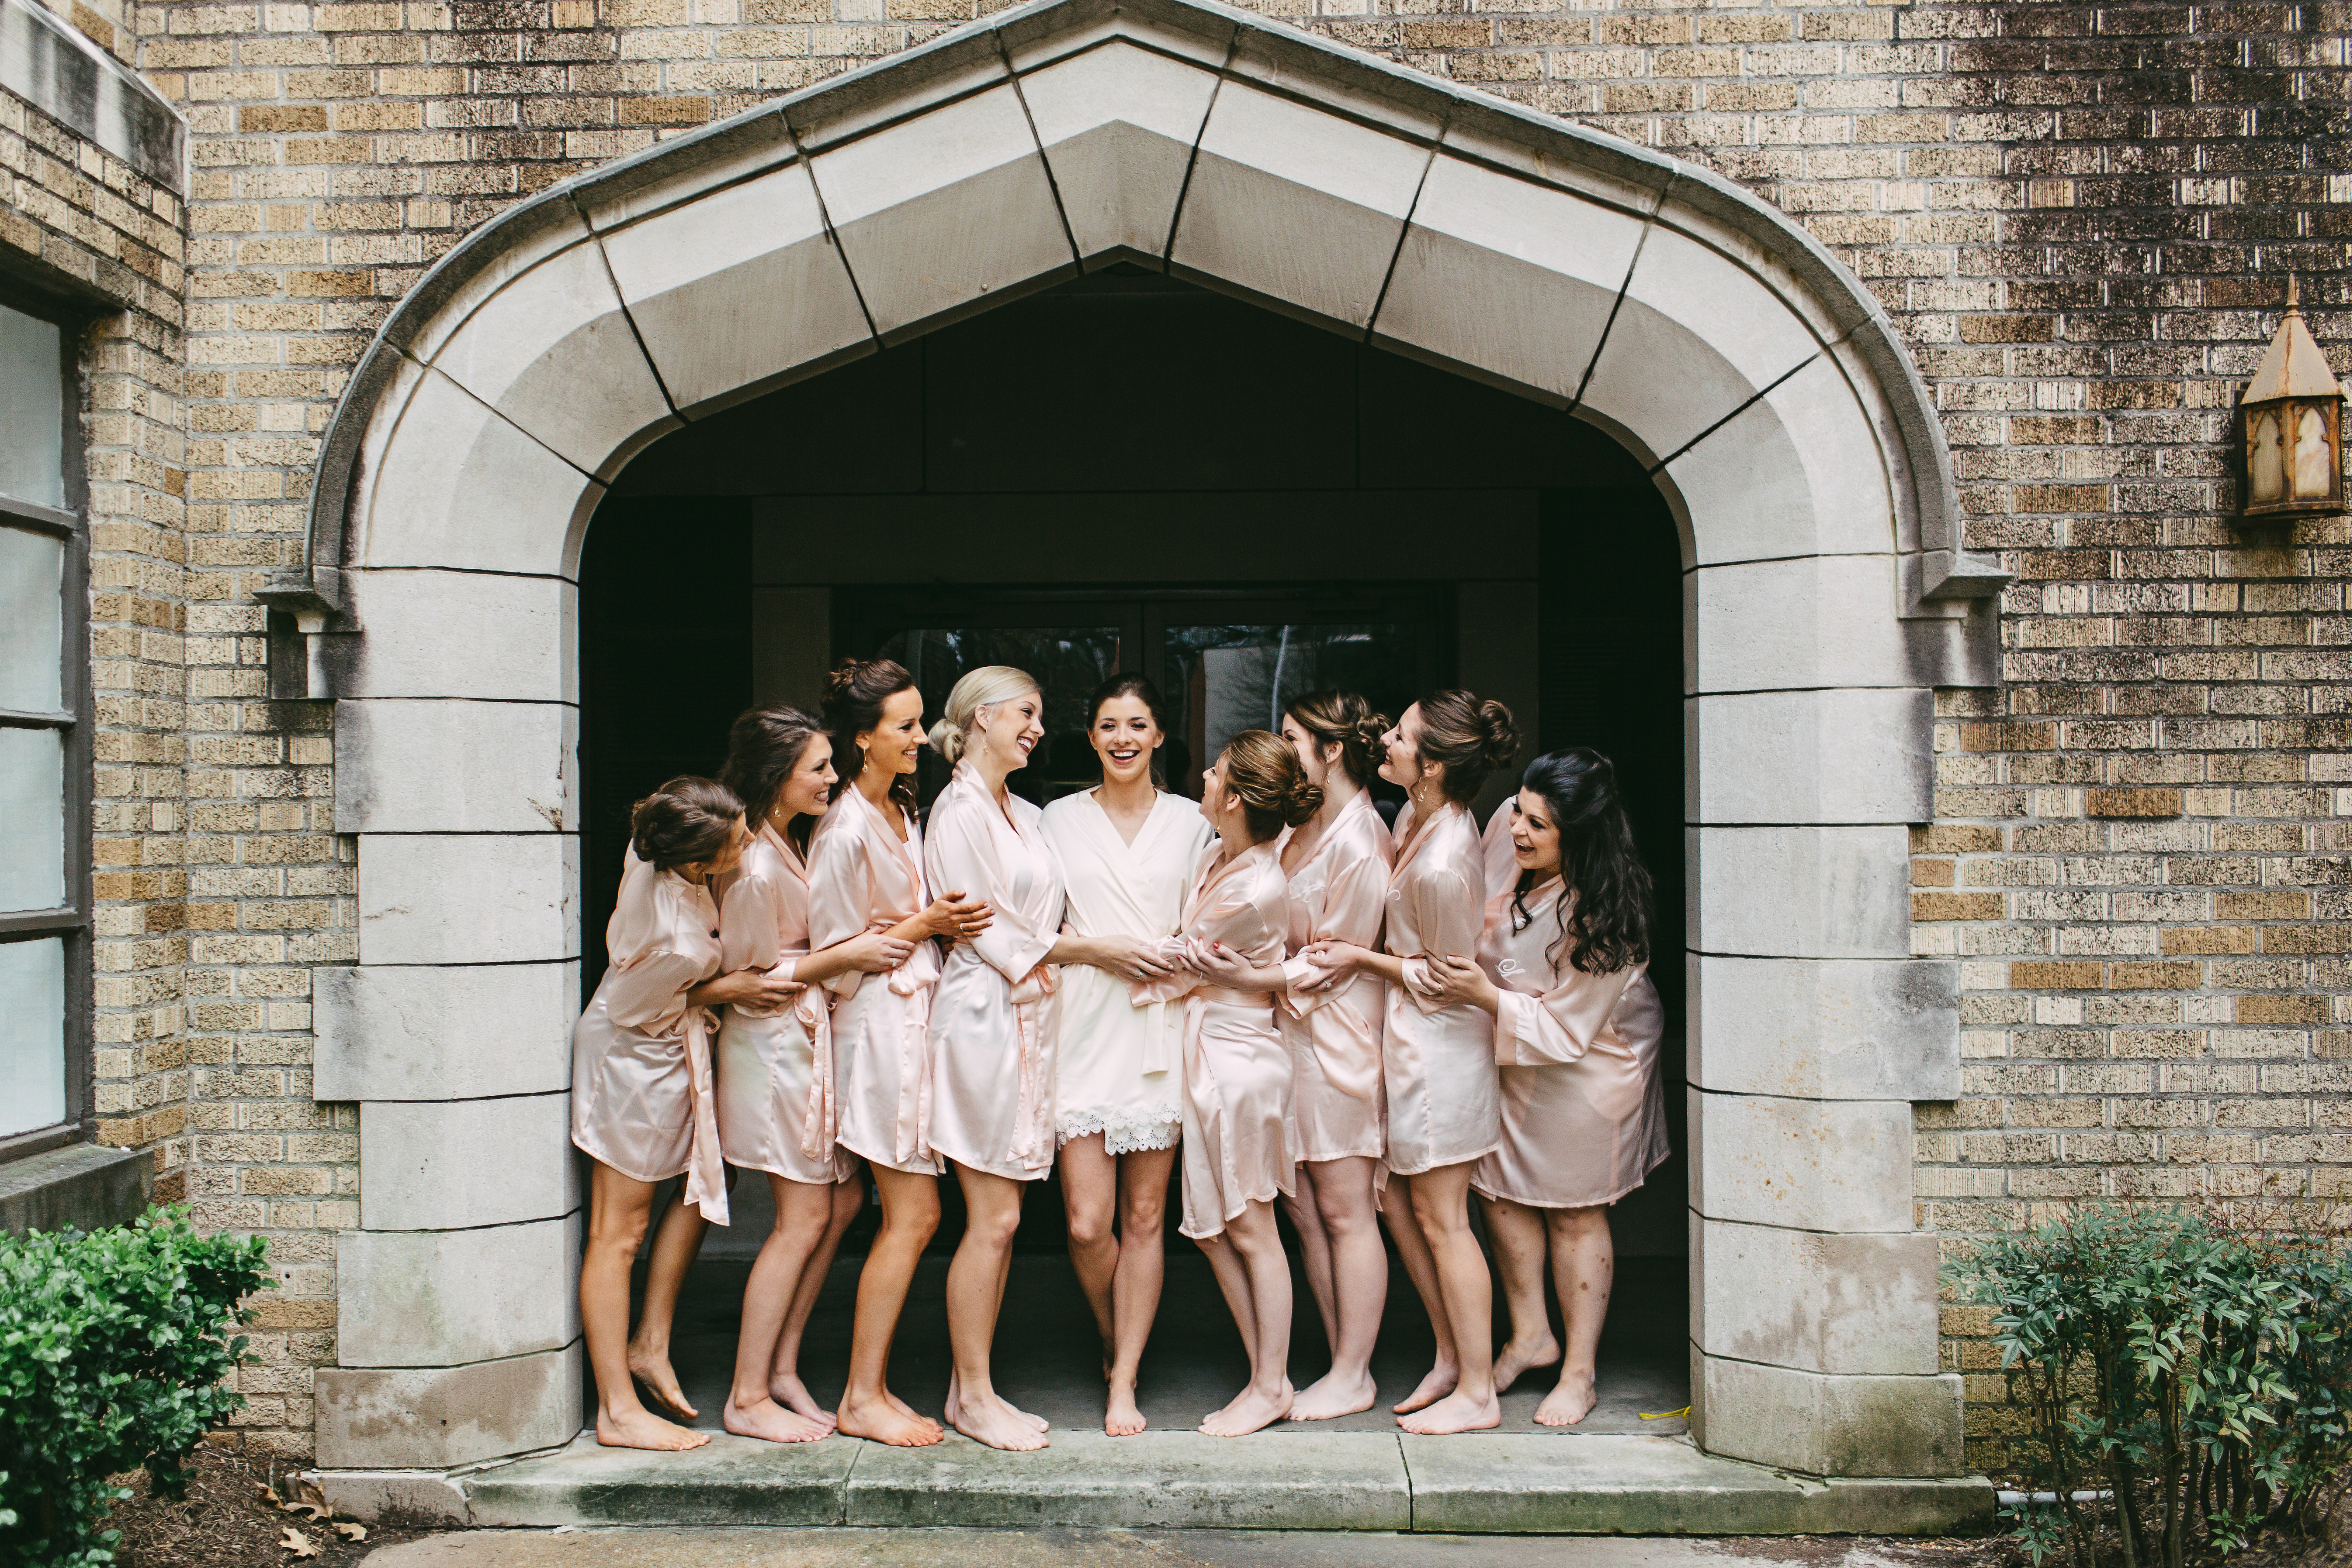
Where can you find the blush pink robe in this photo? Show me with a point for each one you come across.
(1339, 893)
(861, 878)
(991, 1040)
(776, 1107)
(641, 1089)
(1584, 1117)
(1237, 1148)
(1438, 1061)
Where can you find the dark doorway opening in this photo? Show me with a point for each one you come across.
(1129, 472)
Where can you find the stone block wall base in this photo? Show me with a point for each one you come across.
(1500, 1483)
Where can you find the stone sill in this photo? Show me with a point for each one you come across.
(85, 1187)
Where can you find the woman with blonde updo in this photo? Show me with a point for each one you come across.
(1337, 869)
(1438, 1056)
(1237, 1082)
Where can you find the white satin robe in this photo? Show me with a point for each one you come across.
(1439, 1065)
(641, 1079)
(776, 1106)
(1339, 893)
(1584, 1117)
(1236, 1069)
(1115, 1059)
(992, 1042)
(861, 878)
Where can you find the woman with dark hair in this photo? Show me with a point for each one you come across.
(1128, 849)
(865, 874)
(1337, 865)
(1236, 1070)
(1563, 966)
(1437, 1058)
(776, 1107)
(641, 1089)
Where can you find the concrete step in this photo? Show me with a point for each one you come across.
(1290, 1480)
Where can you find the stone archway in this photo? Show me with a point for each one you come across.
(1758, 381)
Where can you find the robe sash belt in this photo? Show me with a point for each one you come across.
(1201, 1083)
(911, 1140)
(813, 1008)
(1033, 1141)
(706, 1168)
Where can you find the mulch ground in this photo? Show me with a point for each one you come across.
(236, 1516)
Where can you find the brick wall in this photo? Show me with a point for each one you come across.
(2081, 217)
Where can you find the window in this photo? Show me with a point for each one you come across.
(45, 1000)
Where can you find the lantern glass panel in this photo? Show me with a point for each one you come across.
(2312, 473)
(2265, 457)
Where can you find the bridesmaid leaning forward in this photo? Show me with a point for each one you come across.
(641, 1083)
(776, 1108)
(1438, 1058)
(1563, 965)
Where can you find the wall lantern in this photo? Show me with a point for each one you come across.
(2291, 421)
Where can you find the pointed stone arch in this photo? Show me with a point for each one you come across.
(1759, 384)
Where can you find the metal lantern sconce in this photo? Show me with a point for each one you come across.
(2291, 428)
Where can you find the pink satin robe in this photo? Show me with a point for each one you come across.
(862, 877)
(1495, 850)
(1339, 893)
(1237, 1148)
(991, 1040)
(1584, 1117)
(776, 1108)
(1439, 1063)
(641, 1079)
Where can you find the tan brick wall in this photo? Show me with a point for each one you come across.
(2080, 218)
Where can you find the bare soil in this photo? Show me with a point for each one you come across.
(229, 1520)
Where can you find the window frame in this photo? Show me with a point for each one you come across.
(72, 920)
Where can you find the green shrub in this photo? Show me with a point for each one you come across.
(114, 1347)
(2185, 1373)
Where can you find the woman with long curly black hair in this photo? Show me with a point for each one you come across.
(1563, 965)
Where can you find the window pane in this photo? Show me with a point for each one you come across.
(32, 1035)
(1067, 663)
(1223, 679)
(32, 819)
(32, 410)
(32, 601)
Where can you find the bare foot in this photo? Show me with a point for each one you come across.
(771, 1421)
(1121, 1417)
(1435, 1387)
(1457, 1411)
(911, 1414)
(1568, 1404)
(1039, 1422)
(1514, 1358)
(885, 1420)
(787, 1390)
(651, 1368)
(997, 1424)
(1332, 1395)
(1249, 1412)
(642, 1428)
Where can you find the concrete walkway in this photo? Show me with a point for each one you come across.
(1073, 1549)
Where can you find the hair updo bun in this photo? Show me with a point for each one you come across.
(686, 820)
(1343, 719)
(1475, 738)
(1263, 770)
(983, 688)
(854, 695)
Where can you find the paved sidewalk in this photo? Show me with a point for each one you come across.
(846, 1548)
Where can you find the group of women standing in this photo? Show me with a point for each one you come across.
(1302, 1005)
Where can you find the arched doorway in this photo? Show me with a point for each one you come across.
(1755, 385)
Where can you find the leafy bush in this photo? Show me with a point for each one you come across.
(112, 1351)
(2186, 1375)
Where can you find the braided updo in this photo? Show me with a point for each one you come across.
(1343, 719)
(686, 820)
(1263, 771)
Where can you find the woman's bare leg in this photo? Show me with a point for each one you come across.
(1233, 1284)
(910, 1213)
(1345, 1216)
(1253, 1236)
(1441, 1205)
(975, 1294)
(1089, 1205)
(784, 1384)
(1420, 1268)
(1142, 1268)
(1584, 1263)
(1314, 1251)
(619, 1207)
(675, 1246)
(803, 1211)
(1518, 1234)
